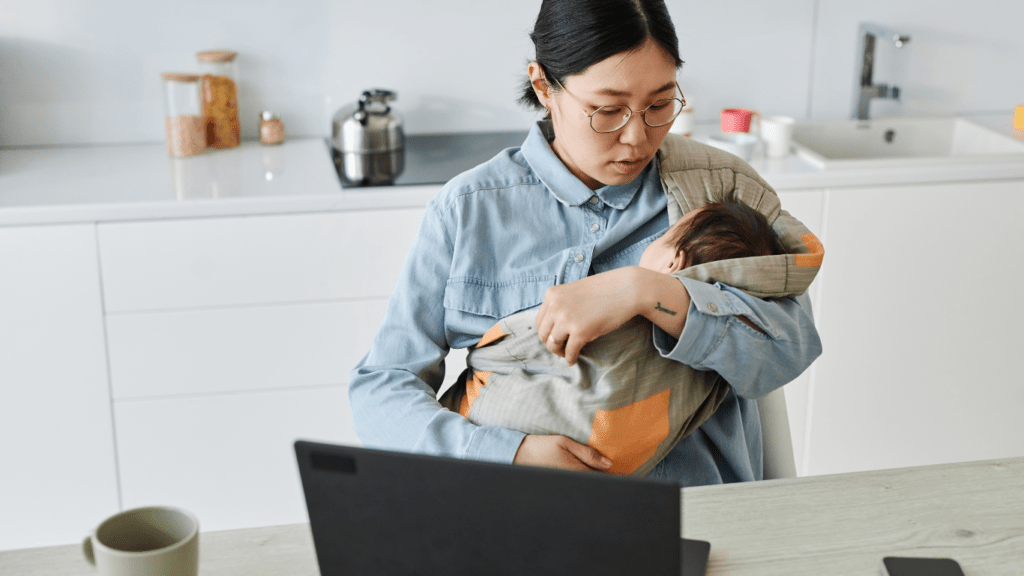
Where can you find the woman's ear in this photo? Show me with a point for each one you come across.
(540, 83)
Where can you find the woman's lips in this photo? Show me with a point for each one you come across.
(629, 165)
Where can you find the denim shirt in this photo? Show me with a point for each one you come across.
(492, 241)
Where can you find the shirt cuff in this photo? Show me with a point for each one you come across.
(494, 444)
(710, 310)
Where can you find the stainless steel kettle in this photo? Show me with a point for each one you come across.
(368, 141)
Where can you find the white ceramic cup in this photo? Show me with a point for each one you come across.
(683, 123)
(777, 132)
(152, 541)
(740, 144)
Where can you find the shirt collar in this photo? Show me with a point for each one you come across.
(566, 187)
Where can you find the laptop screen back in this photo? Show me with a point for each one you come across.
(375, 512)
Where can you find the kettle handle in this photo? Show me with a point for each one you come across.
(370, 96)
(377, 95)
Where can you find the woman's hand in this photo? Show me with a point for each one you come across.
(576, 313)
(559, 452)
(579, 312)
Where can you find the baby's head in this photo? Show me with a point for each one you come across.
(718, 231)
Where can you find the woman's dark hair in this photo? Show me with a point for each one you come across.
(573, 35)
(724, 230)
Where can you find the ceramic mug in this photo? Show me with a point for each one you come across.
(738, 120)
(777, 133)
(683, 123)
(152, 541)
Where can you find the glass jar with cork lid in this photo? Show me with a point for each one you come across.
(220, 97)
(183, 114)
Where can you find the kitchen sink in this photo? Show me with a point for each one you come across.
(901, 142)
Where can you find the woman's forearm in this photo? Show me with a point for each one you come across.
(663, 300)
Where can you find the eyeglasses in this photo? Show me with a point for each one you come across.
(611, 118)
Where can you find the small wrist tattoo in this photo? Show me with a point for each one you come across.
(660, 309)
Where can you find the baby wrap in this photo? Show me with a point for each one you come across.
(622, 397)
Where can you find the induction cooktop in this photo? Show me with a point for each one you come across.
(437, 158)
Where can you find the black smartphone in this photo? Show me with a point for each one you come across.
(695, 556)
(896, 566)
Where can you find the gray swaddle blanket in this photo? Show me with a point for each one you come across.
(623, 397)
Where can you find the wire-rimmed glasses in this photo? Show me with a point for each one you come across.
(611, 118)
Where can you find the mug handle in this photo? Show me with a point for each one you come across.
(87, 550)
(758, 116)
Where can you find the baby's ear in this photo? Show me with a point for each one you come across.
(678, 262)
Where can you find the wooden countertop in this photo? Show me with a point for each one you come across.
(972, 512)
(839, 524)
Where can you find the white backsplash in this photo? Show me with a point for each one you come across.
(87, 72)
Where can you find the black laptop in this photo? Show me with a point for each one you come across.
(376, 512)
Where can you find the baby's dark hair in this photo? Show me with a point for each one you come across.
(724, 230)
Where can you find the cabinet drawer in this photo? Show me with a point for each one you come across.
(235, 349)
(253, 260)
(244, 349)
(227, 458)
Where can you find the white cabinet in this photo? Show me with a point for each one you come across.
(226, 339)
(57, 465)
(921, 316)
(256, 260)
(239, 349)
(226, 457)
(230, 338)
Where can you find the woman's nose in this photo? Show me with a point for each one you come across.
(635, 131)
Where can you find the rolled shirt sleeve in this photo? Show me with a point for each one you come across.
(754, 364)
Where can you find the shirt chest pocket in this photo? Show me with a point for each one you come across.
(496, 299)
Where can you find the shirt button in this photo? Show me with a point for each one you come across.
(595, 227)
(594, 199)
(712, 307)
(579, 257)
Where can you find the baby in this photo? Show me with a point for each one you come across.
(718, 231)
(621, 397)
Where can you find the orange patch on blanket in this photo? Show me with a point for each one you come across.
(490, 336)
(473, 384)
(817, 254)
(629, 436)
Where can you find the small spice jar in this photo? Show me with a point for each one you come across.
(220, 96)
(184, 117)
(271, 128)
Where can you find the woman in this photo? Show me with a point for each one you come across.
(561, 223)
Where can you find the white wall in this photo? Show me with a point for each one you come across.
(79, 72)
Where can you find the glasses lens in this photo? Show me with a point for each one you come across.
(610, 118)
(663, 111)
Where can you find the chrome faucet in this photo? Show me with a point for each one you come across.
(864, 90)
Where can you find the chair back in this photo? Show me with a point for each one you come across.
(775, 436)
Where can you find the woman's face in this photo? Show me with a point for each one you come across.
(636, 79)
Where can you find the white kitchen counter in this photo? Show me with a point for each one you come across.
(53, 185)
